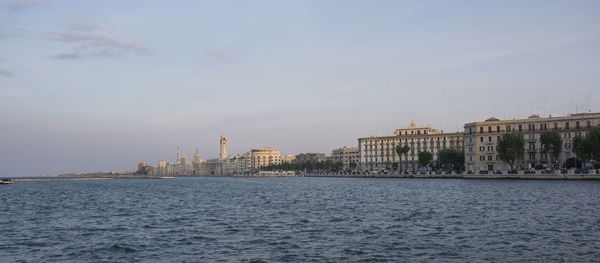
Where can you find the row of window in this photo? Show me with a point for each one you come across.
(411, 139)
(531, 127)
(370, 160)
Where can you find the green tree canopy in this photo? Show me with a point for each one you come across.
(511, 147)
(425, 158)
(592, 140)
(581, 149)
(451, 159)
(551, 144)
(401, 150)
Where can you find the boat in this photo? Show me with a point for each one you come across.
(7, 181)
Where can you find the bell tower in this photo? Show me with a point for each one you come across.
(223, 143)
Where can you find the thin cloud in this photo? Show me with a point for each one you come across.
(219, 55)
(6, 73)
(88, 40)
(11, 32)
(67, 56)
(19, 5)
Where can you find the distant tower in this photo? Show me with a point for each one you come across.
(178, 154)
(223, 147)
(197, 157)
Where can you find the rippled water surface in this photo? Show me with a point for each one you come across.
(300, 219)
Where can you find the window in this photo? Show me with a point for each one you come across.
(490, 157)
(566, 125)
(481, 139)
(587, 124)
(520, 127)
(470, 140)
(577, 125)
(490, 148)
(470, 158)
(470, 149)
(508, 128)
(497, 128)
(489, 129)
(481, 148)
(555, 125)
(480, 129)
(489, 138)
(482, 158)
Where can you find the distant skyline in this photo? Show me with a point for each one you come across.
(102, 85)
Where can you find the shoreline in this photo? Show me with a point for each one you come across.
(332, 175)
(431, 176)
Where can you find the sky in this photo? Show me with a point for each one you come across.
(102, 85)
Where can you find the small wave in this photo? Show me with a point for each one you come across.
(119, 248)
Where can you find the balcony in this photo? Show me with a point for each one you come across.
(531, 140)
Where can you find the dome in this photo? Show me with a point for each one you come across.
(534, 116)
(492, 119)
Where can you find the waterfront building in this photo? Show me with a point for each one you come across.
(310, 158)
(197, 164)
(378, 153)
(260, 157)
(161, 169)
(481, 139)
(212, 167)
(141, 165)
(183, 166)
(345, 155)
(288, 158)
(236, 164)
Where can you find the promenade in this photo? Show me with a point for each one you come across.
(536, 176)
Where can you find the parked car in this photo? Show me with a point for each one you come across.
(548, 171)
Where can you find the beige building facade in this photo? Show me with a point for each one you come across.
(379, 153)
(346, 155)
(310, 158)
(481, 139)
(260, 157)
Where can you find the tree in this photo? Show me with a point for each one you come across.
(353, 166)
(551, 145)
(581, 149)
(588, 147)
(451, 159)
(401, 151)
(511, 148)
(425, 158)
(592, 140)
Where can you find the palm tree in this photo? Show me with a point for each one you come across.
(401, 151)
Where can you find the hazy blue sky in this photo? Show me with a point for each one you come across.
(101, 85)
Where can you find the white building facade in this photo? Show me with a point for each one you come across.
(379, 153)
